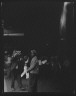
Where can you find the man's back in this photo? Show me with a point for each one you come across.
(34, 62)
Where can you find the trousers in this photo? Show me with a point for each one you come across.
(33, 80)
(15, 76)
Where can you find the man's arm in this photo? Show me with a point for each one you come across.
(24, 72)
(32, 65)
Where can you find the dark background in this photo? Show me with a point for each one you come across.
(39, 21)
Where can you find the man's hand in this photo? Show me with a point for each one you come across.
(24, 72)
(44, 61)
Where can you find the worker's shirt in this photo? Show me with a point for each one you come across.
(34, 65)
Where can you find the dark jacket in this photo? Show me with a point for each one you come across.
(20, 66)
(14, 63)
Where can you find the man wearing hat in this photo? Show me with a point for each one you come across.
(33, 70)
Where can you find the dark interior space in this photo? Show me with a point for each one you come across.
(40, 21)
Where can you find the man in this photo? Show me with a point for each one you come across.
(16, 70)
(34, 70)
(7, 64)
(13, 70)
(19, 71)
(26, 60)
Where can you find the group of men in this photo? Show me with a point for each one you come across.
(28, 65)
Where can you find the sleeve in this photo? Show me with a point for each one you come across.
(40, 63)
(24, 72)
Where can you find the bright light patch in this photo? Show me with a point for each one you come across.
(14, 34)
(1, 4)
(63, 16)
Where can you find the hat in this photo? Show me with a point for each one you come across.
(33, 51)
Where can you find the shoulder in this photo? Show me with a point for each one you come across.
(34, 58)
